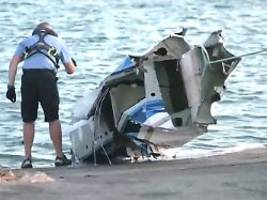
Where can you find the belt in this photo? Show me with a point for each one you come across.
(38, 70)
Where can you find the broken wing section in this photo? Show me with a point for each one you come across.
(202, 80)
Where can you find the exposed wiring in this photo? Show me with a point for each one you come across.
(97, 124)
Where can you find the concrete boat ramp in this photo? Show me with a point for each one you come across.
(233, 176)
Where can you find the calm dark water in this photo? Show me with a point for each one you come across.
(100, 33)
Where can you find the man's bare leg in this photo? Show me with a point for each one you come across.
(56, 136)
(28, 134)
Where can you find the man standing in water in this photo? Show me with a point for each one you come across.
(41, 53)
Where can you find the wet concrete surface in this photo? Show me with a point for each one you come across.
(234, 176)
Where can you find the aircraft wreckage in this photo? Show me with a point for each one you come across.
(159, 100)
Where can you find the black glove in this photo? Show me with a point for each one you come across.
(11, 93)
(74, 62)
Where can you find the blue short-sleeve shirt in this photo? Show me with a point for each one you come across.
(38, 60)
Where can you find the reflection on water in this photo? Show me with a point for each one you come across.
(100, 33)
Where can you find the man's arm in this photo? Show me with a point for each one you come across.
(13, 66)
(68, 62)
(70, 67)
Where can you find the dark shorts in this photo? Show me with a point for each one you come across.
(39, 85)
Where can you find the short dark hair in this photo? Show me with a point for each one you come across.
(44, 27)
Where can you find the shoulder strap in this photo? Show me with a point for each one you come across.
(43, 48)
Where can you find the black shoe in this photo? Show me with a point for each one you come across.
(62, 161)
(27, 163)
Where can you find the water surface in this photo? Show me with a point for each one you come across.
(100, 33)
